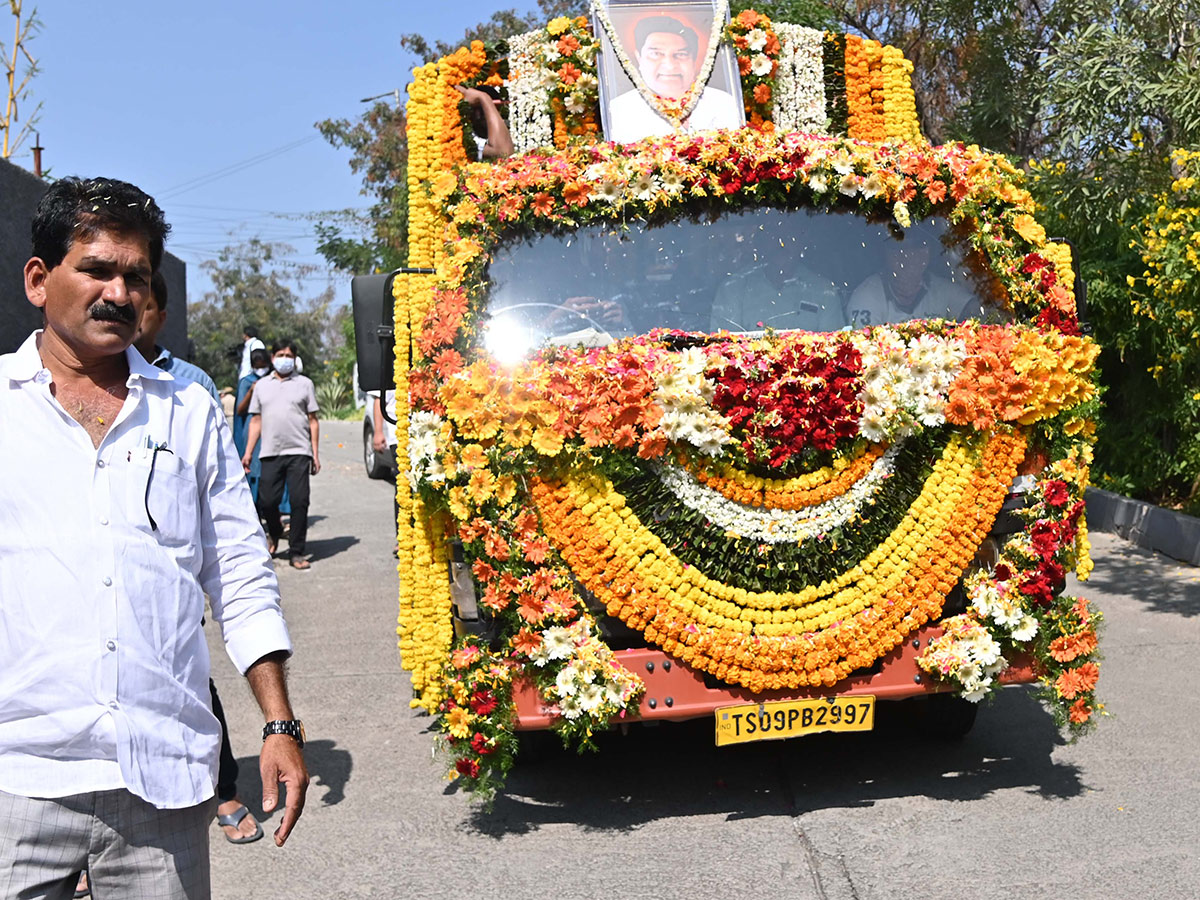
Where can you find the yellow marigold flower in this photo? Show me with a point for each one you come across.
(547, 441)
(1027, 227)
(458, 722)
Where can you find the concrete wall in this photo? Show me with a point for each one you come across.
(20, 192)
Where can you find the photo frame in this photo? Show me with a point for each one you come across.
(663, 68)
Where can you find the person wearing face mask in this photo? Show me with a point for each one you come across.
(283, 412)
(260, 366)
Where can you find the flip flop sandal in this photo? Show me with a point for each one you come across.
(299, 562)
(86, 890)
(234, 819)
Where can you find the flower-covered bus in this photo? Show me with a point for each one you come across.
(765, 424)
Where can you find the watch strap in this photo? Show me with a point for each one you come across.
(293, 728)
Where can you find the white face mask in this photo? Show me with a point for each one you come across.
(285, 365)
(261, 372)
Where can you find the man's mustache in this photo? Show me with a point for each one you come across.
(104, 311)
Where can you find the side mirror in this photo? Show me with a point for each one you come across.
(374, 329)
(374, 332)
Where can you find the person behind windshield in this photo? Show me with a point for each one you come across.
(778, 290)
(908, 288)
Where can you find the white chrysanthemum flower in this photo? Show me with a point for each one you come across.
(591, 697)
(607, 191)
(760, 65)
(873, 428)
(901, 214)
(1026, 631)
(642, 187)
(672, 183)
(564, 682)
(558, 642)
(586, 83)
(548, 79)
(576, 104)
(848, 185)
(756, 39)
(540, 656)
(873, 186)
(614, 693)
(570, 708)
(818, 183)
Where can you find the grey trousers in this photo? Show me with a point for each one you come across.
(130, 848)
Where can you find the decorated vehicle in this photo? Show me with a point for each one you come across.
(765, 424)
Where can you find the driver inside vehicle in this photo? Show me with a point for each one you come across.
(909, 286)
(777, 289)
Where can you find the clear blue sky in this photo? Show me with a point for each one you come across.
(179, 98)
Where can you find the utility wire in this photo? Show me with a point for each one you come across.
(233, 168)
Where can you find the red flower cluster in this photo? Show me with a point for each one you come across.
(1047, 538)
(782, 403)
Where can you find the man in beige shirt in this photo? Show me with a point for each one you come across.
(283, 412)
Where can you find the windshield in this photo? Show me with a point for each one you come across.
(743, 271)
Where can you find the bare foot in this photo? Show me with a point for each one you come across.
(272, 546)
(82, 889)
(299, 562)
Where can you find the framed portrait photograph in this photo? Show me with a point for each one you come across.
(664, 69)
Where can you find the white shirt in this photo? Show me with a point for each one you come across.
(103, 663)
(247, 348)
(872, 303)
(631, 118)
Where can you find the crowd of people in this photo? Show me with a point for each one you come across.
(132, 512)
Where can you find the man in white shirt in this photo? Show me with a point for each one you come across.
(667, 58)
(122, 506)
(250, 343)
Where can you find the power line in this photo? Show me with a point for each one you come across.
(233, 168)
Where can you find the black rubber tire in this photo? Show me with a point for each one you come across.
(948, 717)
(375, 464)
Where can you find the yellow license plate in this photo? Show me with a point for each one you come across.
(793, 718)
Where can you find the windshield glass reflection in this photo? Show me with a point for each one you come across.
(743, 271)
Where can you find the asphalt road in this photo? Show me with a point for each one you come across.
(1010, 812)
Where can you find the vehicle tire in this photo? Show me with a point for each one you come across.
(535, 747)
(375, 463)
(948, 717)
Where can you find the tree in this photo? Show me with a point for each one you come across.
(379, 152)
(250, 289)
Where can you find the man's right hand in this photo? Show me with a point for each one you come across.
(378, 443)
(246, 462)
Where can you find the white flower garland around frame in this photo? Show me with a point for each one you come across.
(800, 80)
(777, 526)
(720, 14)
(529, 122)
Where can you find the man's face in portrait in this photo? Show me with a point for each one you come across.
(667, 64)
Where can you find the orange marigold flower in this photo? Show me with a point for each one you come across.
(526, 641)
(1073, 682)
(569, 74)
(747, 18)
(575, 193)
(1072, 646)
(762, 93)
(543, 203)
(1080, 711)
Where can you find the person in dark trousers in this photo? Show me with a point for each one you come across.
(283, 412)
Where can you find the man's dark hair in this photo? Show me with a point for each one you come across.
(259, 358)
(75, 208)
(283, 344)
(158, 290)
(250, 331)
(669, 25)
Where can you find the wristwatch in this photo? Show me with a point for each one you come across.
(293, 728)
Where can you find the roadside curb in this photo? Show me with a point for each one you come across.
(1164, 530)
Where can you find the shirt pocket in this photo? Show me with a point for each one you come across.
(162, 497)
